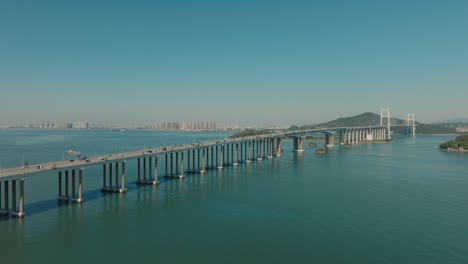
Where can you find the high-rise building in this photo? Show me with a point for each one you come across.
(80, 125)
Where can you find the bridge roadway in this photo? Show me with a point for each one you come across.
(93, 161)
(251, 148)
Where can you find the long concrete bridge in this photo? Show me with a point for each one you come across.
(178, 161)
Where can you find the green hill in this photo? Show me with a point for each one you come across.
(372, 119)
(460, 142)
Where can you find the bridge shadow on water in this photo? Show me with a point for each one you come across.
(54, 203)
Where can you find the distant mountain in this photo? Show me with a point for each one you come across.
(372, 119)
(365, 119)
(454, 124)
(453, 120)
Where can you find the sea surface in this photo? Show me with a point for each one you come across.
(403, 202)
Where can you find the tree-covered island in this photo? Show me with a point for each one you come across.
(459, 144)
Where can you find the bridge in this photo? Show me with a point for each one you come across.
(196, 157)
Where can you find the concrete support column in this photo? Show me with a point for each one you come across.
(198, 159)
(150, 169)
(260, 155)
(177, 164)
(165, 167)
(144, 169)
(110, 177)
(62, 197)
(272, 144)
(20, 213)
(155, 182)
(212, 158)
(78, 199)
(73, 186)
(80, 186)
(248, 153)
(257, 151)
(231, 161)
(298, 144)
(66, 184)
(330, 139)
(122, 187)
(193, 161)
(181, 165)
(172, 162)
(138, 171)
(5, 209)
(278, 147)
(202, 171)
(217, 156)
(188, 161)
(13, 195)
(59, 184)
(236, 156)
(221, 155)
(227, 155)
(104, 187)
(116, 188)
(14, 212)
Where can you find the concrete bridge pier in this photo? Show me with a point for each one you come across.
(177, 165)
(210, 163)
(221, 158)
(62, 197)
(194, 157)
(13, 211)
(231, 161)
(181, 175)
(298, 143)
(20, 212)
(111, 187)
(165, 167)
(278, 147)
(104, 187)
(226, 156)
(172, 165)
(198, 161)
(5, 209)
(150, 167)
(239, 157)
(271, 145)
(78, 199)
(202, 170)
(144, 170)
(260, 155)
(329, 139)
(188, 162)
(236, 156)
(155, 180)
(249, 151)
(217, 157)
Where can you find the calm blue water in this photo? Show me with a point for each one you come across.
(404, 202)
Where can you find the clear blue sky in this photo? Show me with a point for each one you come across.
(283, 62)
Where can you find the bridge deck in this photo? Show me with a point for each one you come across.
(94, 161)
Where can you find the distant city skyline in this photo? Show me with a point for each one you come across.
(241, 62)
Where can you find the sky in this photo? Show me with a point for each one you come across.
(233, 62)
